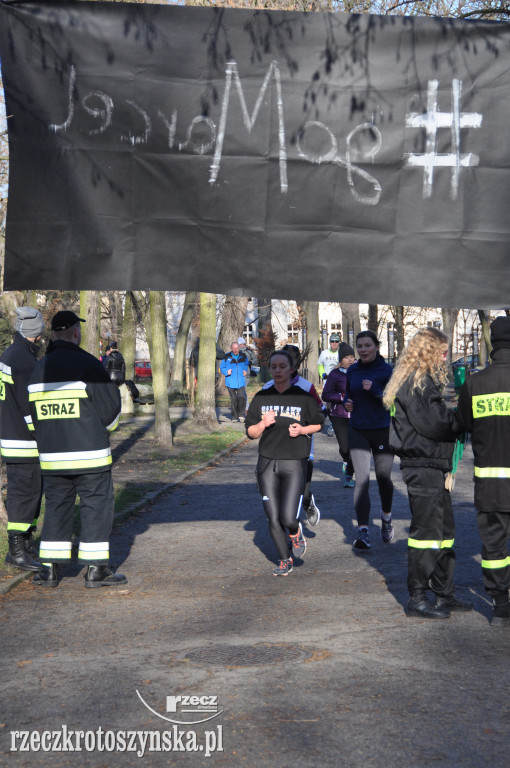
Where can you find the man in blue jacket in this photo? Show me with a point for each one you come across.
(235, 368)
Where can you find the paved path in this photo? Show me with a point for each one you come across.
(342, 677)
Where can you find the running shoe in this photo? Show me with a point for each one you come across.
(362, 540)
(387, 530)
(284, 568)
(330, 432)
(349, 482)
(298, 542)
(312, 512)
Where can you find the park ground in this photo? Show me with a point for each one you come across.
(321, 668)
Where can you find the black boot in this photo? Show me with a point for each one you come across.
(452, 603)
(17, 554)
(47, 576)
(421, 607)
(501, 613)
(102, 576)
(30, 547)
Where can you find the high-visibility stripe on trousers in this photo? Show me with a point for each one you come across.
(24, 493)
(96, 515)
(430, 555)
(494, 528)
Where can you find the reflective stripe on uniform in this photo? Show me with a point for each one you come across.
(96, 551)
(56, 394)
(114, 424)
(19, 448)
(493, 404)
(29, 423)
(23, 527)
(494, 564)
(50, 550)
(495, 472)
(6, 373)
(430, 543)
(76, 459)
(56, 386)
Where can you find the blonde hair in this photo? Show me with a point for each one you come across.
(422, 356)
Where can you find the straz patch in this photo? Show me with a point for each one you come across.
(58, 409)
(495, 404)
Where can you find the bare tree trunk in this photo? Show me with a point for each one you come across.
(373, 318)
(128, 344)
(350, 322)
(89, 311)
(310, 310)
(178, 369)
(398, 314)
(205, 409)
(265, 343)
(159, 354)
(486, 332)
(232, 327)
(449, 316)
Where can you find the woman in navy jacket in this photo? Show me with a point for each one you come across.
(369, 435)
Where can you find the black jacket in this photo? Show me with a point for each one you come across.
(74, 405)
(17, 441)
(423, 428)
(484, 410)
(116, 367)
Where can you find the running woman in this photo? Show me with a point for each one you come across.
(335, 392)
(369, 428)
(311, 509)
(284, 417)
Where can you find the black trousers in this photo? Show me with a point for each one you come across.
(494, 529)
(341, 428)
(237, 401)
(430, 556)
(24, 494)
(96, 513)
(281, 483)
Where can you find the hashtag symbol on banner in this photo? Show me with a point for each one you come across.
(431, 121)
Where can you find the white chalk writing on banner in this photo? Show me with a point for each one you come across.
(430, 121)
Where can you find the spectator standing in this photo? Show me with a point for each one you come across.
(422, 433)
(328, 358)
(17, 443)
(369, 428)
(74, 405)
(484, 410)
(115, 364)
(334, 392)
(235, 368)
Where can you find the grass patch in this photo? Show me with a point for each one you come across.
(194, 449)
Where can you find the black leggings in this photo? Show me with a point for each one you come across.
(281, 483)
(341, 427)
(363, 445)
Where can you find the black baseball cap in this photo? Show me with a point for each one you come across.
(65, 319)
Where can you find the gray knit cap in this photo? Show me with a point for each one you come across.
(29, 322)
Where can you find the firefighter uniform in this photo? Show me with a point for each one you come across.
(484, 410)
(17, 442)
(423, 433)
(74, 405)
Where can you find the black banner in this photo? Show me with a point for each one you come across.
(277, 154)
